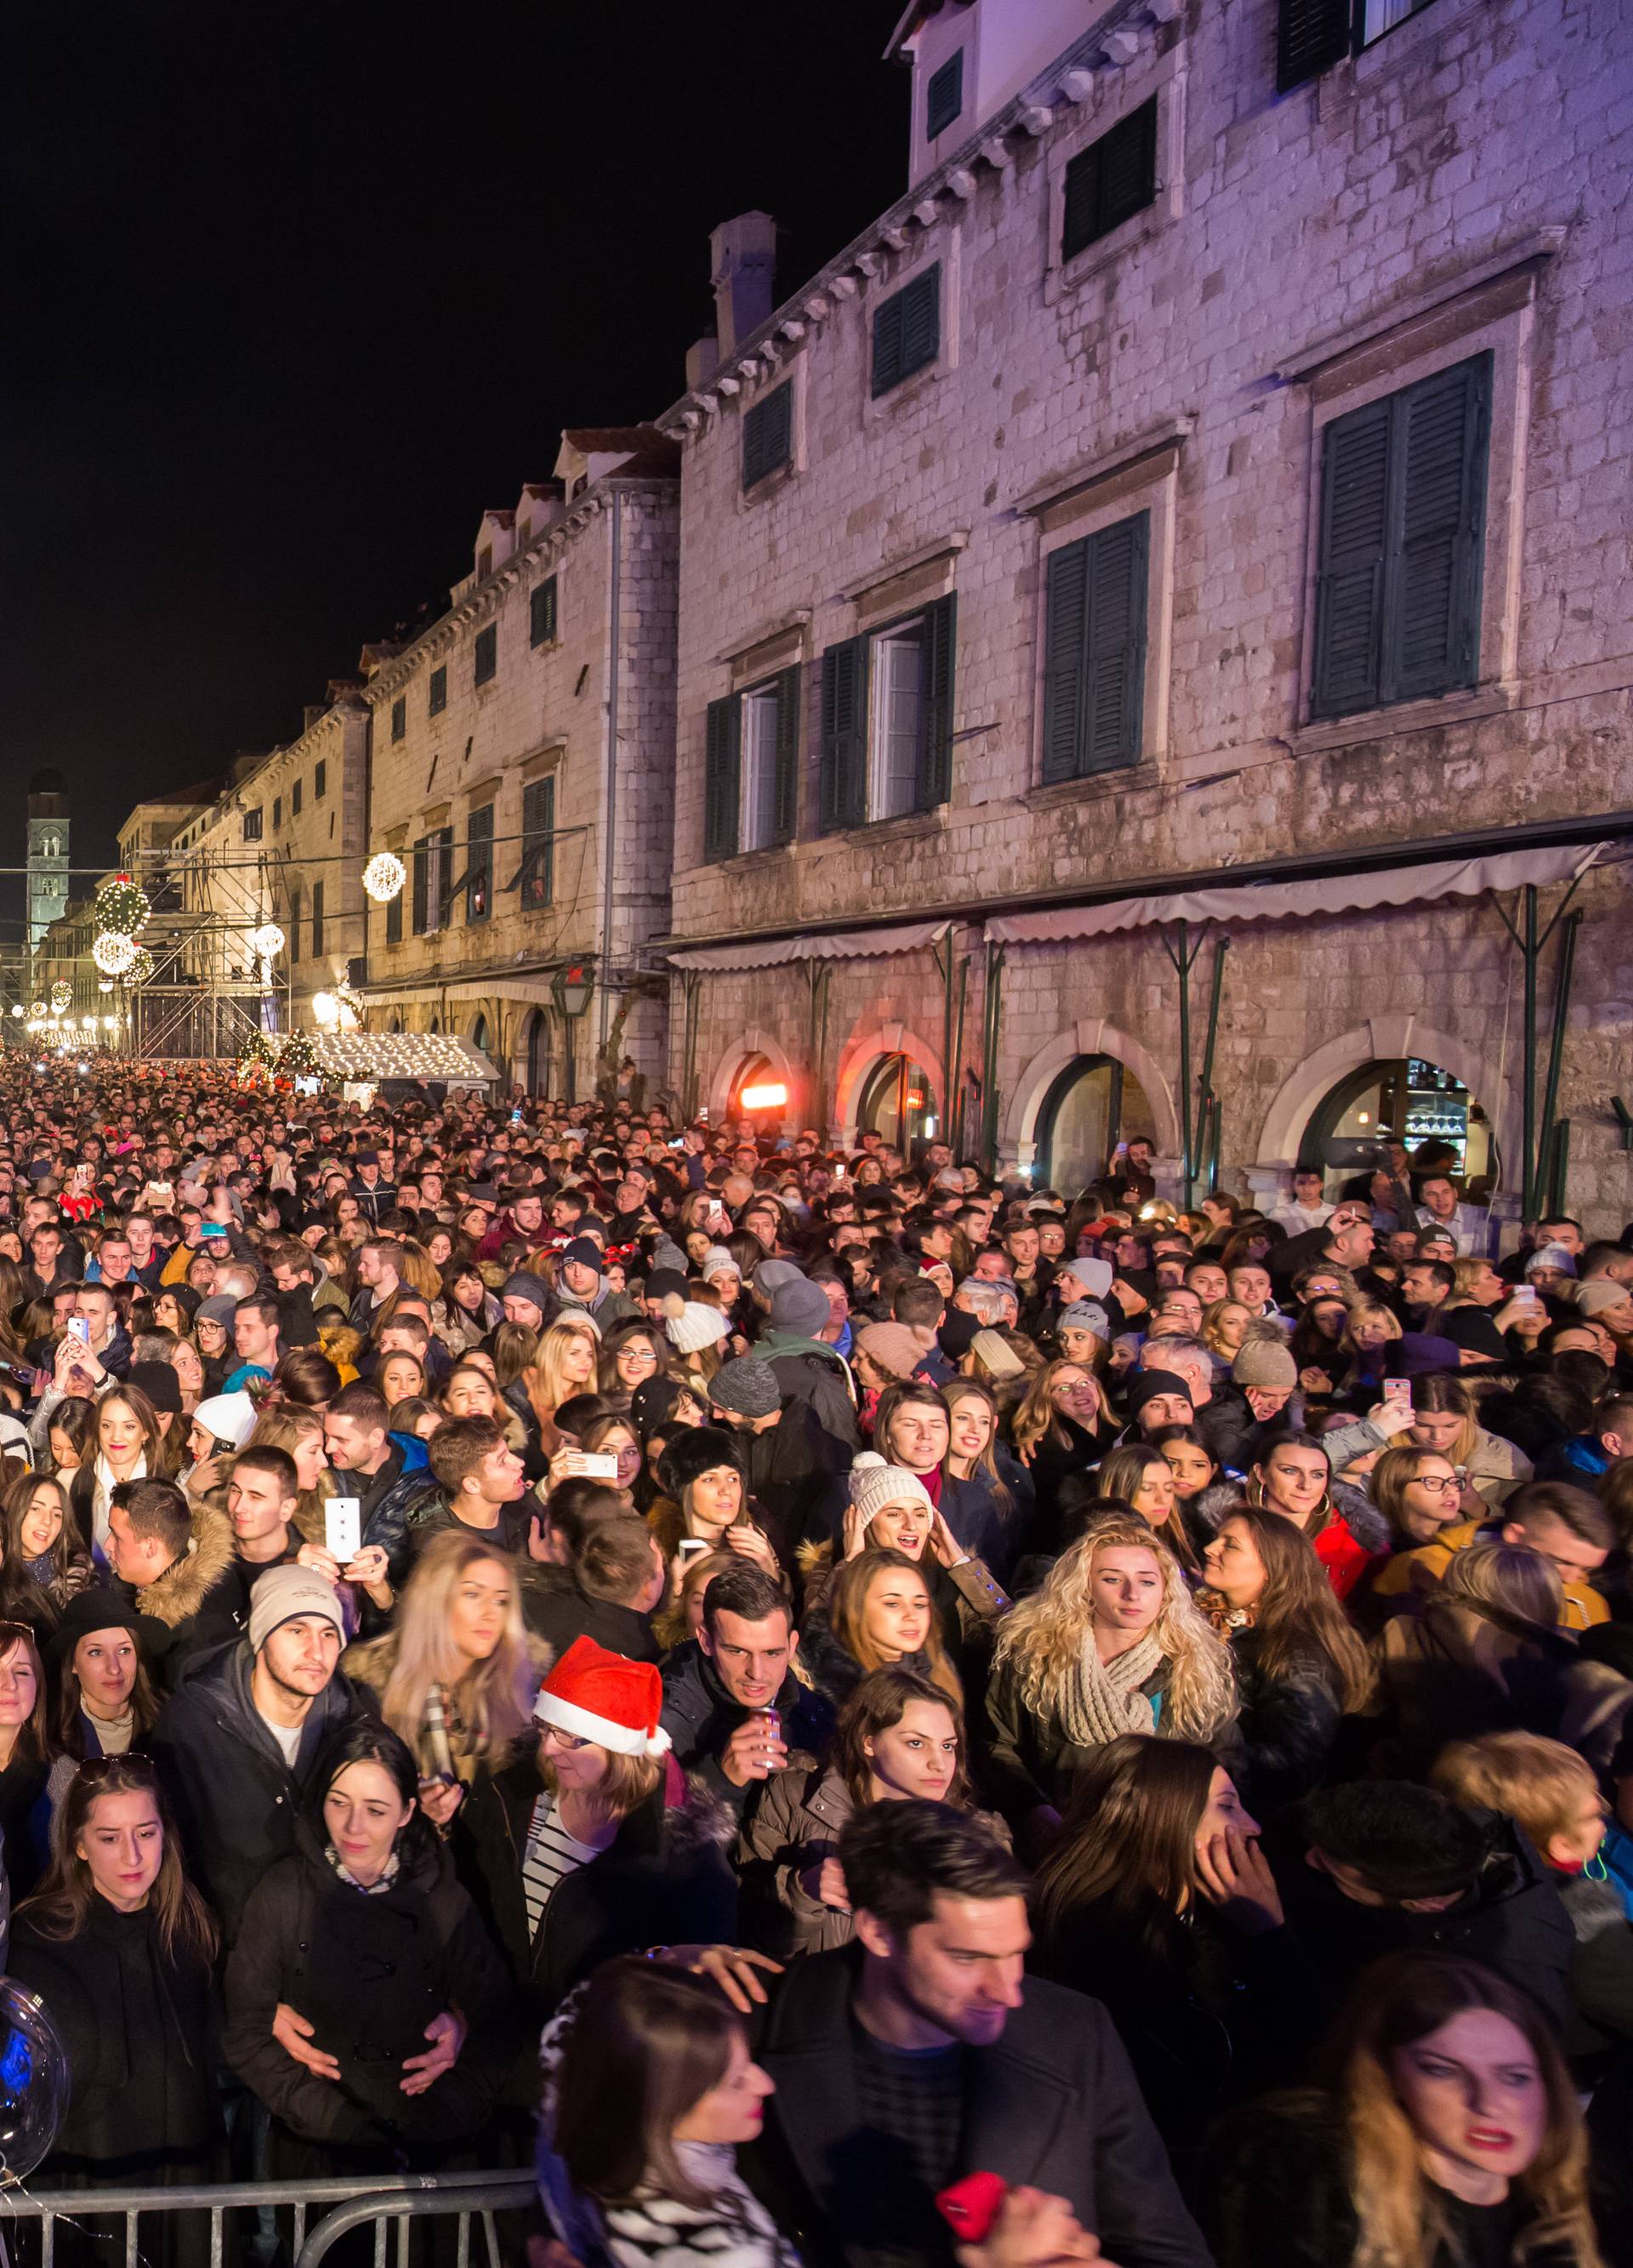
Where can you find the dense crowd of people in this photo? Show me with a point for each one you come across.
(855, 1710)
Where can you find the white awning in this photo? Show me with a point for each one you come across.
(375, 1055)
(846, 945)
(1393, 886)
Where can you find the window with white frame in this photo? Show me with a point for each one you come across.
(897, 725)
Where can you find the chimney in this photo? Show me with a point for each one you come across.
(702, 358)
(743, 253)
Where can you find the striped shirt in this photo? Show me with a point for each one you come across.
(551, 1854)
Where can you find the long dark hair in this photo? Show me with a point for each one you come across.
(646, 2045)
(61, 1906)
(1127, 1847)
(881, 1700)
(71, 1709)
(1297, 1615)
(32, 1745)
(19, 1590)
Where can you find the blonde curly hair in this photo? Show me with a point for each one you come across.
(1044, 1635)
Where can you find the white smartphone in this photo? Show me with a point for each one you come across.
(343, 1527)
(690, 1546)
(80, 1328)
(590, 1466)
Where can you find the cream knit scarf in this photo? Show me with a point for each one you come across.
(1102, 1700)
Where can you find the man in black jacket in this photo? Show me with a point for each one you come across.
(1380, 1867)
(732, 1705)
(616, 1578)
(922, 2053)
(237, 1743)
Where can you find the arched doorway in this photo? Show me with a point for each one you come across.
(538, 1053)
(757, 1077)
(1400, 1099)
(480, 1036)
(899, 1103)
(435, 1024)
(1095, 1103)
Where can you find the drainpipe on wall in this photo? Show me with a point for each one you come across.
(615, 598)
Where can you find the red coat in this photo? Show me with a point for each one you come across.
(1345, 1560)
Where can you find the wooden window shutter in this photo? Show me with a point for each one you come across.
(538, 842)
(1115, 673)
(844, 735)
(719, 778)
(935, 761)
(399, 718)
(1312, 35)
(1431, 632)
(393, 919)
(1349, 564)
(943, 97)
(887, 346)
(541, 613)
(422, 885)
(1111, 181)
(786, 810)
(907, 331)
(1066, 613)
(767, 434)
(1094, 650)
(921, 320)
(443, 840)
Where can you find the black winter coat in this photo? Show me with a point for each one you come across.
(1052, 2102)
(700, 1716)
(1280, 2197)
(1287, 1725)
(369, 1971)
(140, 2031)
(234, 1798)
(663, 1880)
(1512, 1920)
(1210, 2015)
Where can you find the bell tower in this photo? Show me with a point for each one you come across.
(47, 854)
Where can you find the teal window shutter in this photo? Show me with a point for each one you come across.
(719, 778)
(1094, 650)
(935, 758)
(844, 777)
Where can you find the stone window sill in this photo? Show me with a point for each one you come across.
(1317, 738)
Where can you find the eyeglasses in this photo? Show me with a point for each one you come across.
(570, 1742)
(1441, 1481)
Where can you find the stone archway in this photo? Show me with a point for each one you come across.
(1090, 1035)
(1381, 1039)
(861, 1052)
(752, 1042)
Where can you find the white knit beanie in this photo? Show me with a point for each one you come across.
(874, 1484)
(691, 1325)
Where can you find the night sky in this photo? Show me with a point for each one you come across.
(292, 293)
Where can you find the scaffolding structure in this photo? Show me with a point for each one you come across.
(211, 987)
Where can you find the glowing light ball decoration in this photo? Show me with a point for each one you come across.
(142, 966)
(384, 876)
(62, 997)
(121, 909)
(268, 940)
(113, 951)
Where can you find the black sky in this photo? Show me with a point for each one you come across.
(293, 293)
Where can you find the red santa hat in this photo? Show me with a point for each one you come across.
(602, 1697)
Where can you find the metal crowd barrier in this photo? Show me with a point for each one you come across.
(403, 2198)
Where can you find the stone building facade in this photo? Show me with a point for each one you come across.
(1191, 518)
(521, 768)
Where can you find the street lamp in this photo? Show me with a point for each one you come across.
(572, 988)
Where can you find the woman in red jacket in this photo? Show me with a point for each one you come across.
(1295, 1479)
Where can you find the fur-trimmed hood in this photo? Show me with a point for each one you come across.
(1353, 1505)
(185, 1585)
(694, 1818)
